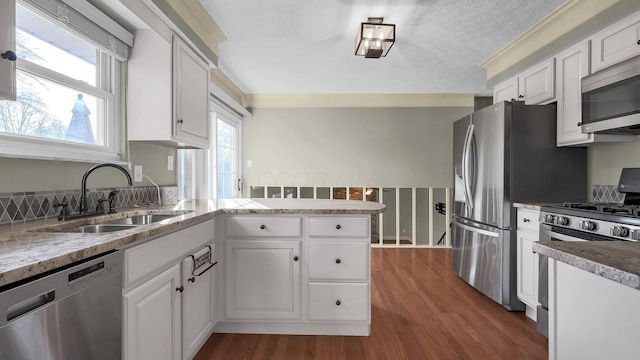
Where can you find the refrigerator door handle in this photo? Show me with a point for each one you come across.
(477, 230)
(466, 159)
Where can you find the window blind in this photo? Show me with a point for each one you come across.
(82, 19)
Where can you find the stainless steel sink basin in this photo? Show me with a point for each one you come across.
(113, 225)
(140, 219)
(100, 228)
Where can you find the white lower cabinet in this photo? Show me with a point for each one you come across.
(591, 317)
(152, 318)
(169, 309)
(296, 275)
(528, 264)
(338, 301)
(262, 279)
(198, 300)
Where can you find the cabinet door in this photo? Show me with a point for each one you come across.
(527, 269)
(7, 43)
(198, 305)
(506, 91)
(191, 96)
(537, 84)
(571, 66)
(153, 319)
(262, 279)
(616, 43)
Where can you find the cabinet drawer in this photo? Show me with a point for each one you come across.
(347, 302)
(264, 226)
(146, 258)
(338, 260)
(338, 226)
(528, 220)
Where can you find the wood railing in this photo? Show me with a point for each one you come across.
(414, 216)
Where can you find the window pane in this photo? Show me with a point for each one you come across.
(45, 44)
(226, 167)
(49, 110)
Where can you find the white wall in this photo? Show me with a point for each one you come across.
(350, 146)
(606, 162)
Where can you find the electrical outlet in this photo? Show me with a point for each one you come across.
(248, 163)
(137, 173)
(169, 162)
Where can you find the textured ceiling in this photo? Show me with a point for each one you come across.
(307, 47)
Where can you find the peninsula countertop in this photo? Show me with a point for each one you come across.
(618, 261)
(33, 248)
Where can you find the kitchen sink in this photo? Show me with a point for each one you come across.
(107, 226)
(140, 219)
(100, 228)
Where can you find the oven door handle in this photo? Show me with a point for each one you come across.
(562, 237)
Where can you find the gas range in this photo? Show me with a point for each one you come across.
(598, 221)
(603, 221)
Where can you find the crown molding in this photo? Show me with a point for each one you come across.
(565, 18)
(226, 85)
(360, 100)
(194, 14)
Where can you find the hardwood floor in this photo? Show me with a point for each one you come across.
(420, 310)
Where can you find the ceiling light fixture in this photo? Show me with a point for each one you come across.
(374, 38)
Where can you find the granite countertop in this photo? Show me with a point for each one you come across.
(33, 248)
(618, 261)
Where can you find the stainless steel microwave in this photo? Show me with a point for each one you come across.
(611, 99)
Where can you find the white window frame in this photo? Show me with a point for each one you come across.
(197, 167)
(219, 111)
(108, 87)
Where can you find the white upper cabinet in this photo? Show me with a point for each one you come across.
(506, 91)
(537, 85)
(533, 86)
(571, 66)
(168, 93)
(7, 43)
(190, 96)
(616, 43)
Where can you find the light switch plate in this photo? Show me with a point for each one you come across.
(169, 162)
(137, 173)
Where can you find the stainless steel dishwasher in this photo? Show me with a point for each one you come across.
(72, 313)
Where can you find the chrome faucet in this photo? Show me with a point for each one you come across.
(83, 197)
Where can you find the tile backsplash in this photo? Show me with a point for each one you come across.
(28, 206)
(606, 194)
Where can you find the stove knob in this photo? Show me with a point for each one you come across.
(635, 235)
(620, 231)
(561, 220)
(548, 218)
(588, 225)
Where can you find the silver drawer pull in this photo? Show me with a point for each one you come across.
(526, 220)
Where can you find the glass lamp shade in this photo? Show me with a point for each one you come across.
(374, 38)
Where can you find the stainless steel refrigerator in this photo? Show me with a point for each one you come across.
(502, 154)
